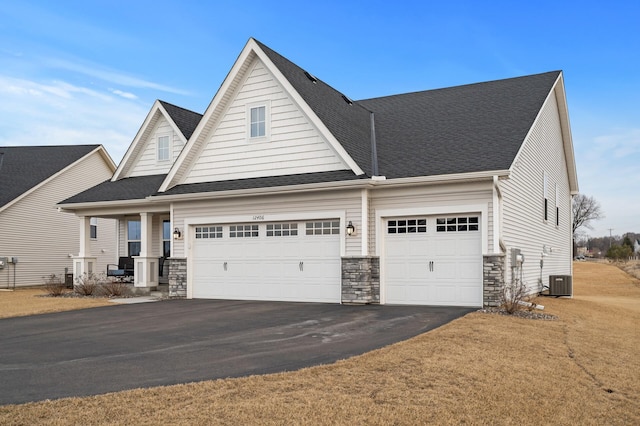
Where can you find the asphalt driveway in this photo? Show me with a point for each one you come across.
(99, 350)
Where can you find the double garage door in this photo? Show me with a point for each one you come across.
(284, 261)
(433, 260)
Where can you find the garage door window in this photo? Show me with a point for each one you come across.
(406, 226)
(457, 224)
(243, 231)
(282, 229)
(323, 228)
(208, 232)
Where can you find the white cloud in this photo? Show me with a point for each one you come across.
(60, 113)
(126, 95)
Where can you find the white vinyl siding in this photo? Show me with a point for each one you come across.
(42, 238)
(348, 202)
(429, 198)
(523, 194)
(294, 145)
(148, 161)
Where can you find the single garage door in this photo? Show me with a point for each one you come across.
(284, 261)
(433, 260)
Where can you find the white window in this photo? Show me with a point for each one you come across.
(134, 237)
(243, 231)
(323, 228)
(458, 224)
(406, 226)
(545, 184)
(164, 148)
(93, 225)
(208, 232)
(557, 205)
(258, 122)
(282, 229)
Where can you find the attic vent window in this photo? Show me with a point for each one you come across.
(311, 77)
(347, 100)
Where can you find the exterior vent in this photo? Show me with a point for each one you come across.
(560, 285)
(311, 77)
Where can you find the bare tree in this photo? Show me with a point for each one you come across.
(585, 209)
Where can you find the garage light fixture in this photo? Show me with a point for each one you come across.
(177, 235)
(351, 230)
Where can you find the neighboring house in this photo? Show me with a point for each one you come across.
(33, 179)
(286, 189)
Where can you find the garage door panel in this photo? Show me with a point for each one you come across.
(439, 265)
(278, 264)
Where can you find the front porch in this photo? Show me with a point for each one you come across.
(145, 239)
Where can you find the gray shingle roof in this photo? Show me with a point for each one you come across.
(349, 124)
(132, 188)
(24, 167)
(186, 120)
(471, 128)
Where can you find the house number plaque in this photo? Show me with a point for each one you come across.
(258, 217)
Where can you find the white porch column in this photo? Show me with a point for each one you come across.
(84, 264)
(146, 265)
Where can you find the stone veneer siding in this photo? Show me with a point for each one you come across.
(361, 280)
(177, 277)
(492, 279)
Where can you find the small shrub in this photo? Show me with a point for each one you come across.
(513, 294)
(112, 288)
(88, 284)
(54, 285)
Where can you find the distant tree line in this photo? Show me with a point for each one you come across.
(614, 247)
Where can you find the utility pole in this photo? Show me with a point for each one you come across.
(610, 229)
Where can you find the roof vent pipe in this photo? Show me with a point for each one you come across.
(374, 149)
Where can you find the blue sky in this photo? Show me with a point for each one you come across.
(78, 72)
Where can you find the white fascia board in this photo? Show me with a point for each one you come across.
(557, 90)
(172, 123)
(110, 208)
(100, 149)
(567, 138)
(291, 91)
(441, 179)
(136, 140)
(289, 189)
(326, 186)
(213, 106)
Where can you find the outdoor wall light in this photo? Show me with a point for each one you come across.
(177, 234)
(351, 230)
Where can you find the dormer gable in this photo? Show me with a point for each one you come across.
(159, 141)
(258, 125)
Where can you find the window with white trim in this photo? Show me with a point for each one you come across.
(93, 228)
(203, 232)
(546, 198)
(323, 228)
(164, 148)
(134, 234)
(243, 231)
(258, 121)
(282, 229)
(557, 205)
(166, 238)
(406, 226)
(458, 224)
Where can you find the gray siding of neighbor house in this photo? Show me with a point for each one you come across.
(524, 226)
(42, 238)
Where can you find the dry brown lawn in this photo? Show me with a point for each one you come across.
(30, 301)
(582, 369)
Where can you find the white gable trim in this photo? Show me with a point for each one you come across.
(100, 149)
(567, 141)
(222, 97)
(132, 152)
